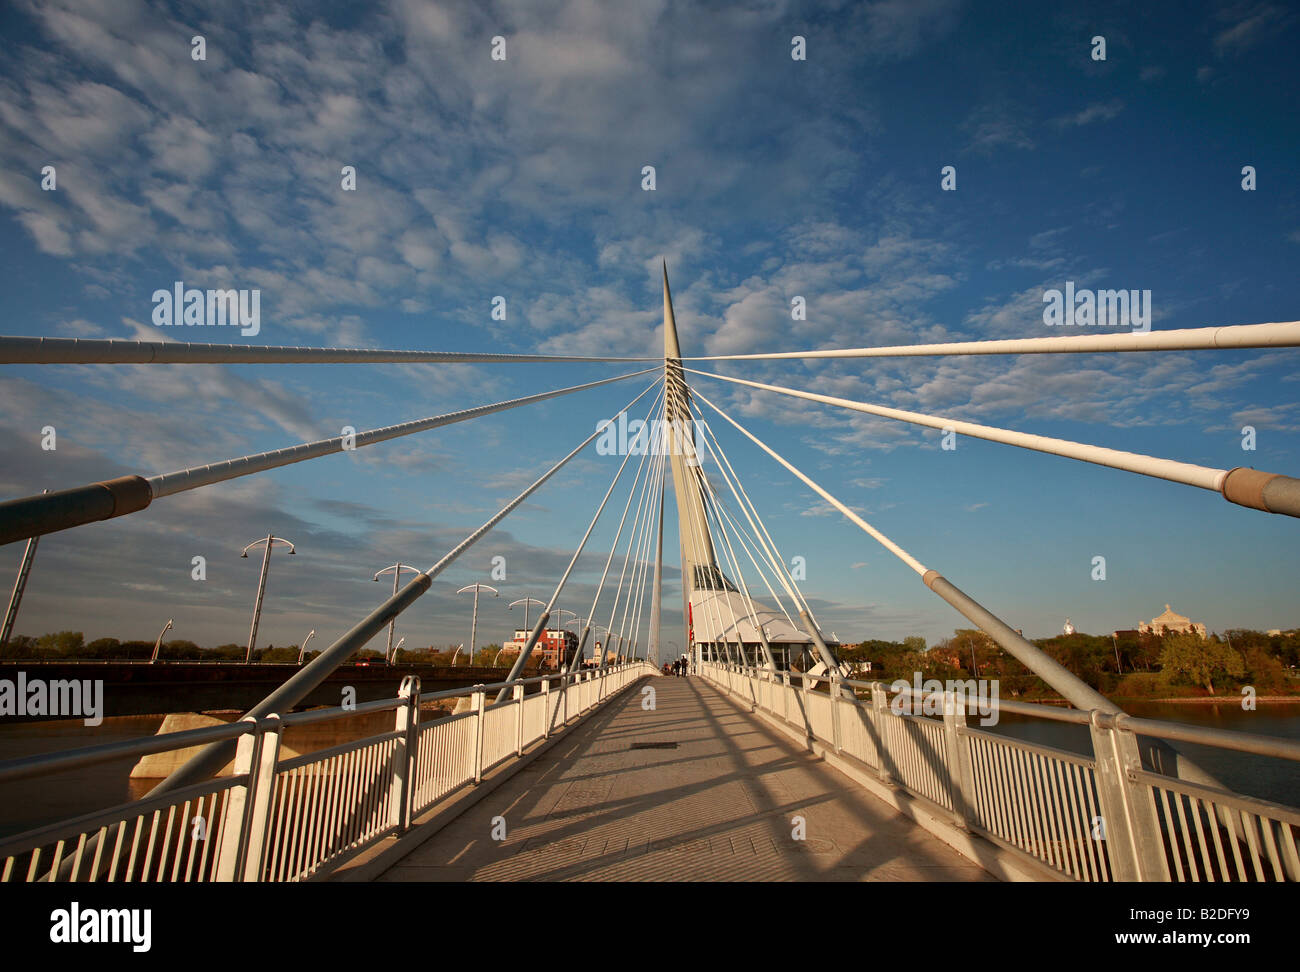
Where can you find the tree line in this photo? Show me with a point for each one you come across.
(72, 646)
(1124, 665)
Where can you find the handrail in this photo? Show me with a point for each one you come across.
(70, 759)
(1096, 815)
(361, 790)
(1243, 742)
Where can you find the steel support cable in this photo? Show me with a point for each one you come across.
(768, 545)
(636, 519)
(711, 510)
(698, 554)
(591, 614)
(34, 516)
(704, 490)
(621, 592)
(632, 609)
(776, 569)
(1270, 492)
(761, 534)
(718, 514)
(709, 506)
(613, 548)
(1075, 690)
(37, 350)
(631, 604)
(1227, 336)
(293, 691)
(520, 662)
(742, 535)
(810, 624)
(741, 538)
(641, 600)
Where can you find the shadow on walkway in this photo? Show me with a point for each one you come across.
(722, 806)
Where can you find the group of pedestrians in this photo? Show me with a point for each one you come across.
(680, 667)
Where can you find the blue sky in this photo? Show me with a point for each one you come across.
(775, 178)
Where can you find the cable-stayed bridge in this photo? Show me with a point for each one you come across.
(780, 765)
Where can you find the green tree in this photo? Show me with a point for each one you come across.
(103, 648)
(1199, 660)
(65, 644)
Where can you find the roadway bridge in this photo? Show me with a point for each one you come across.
(141, 688)
(889, 782)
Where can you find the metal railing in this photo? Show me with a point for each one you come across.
(285, 819)
(1103, 817)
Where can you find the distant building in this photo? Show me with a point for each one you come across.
(553, 645)
(1171, 623)
(1068, 629)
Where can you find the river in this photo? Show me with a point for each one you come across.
(1277, 780)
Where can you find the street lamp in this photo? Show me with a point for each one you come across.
(270, 542)
(454, 654)
(559, 612)
(473, 626)
(302, 649)
(396, 569)
(153, 660)
(400, 642)
(525, 601)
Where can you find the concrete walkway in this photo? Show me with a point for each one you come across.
(718, 807)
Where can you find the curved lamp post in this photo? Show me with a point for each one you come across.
(396, 649)
(473, 625)
(396, 570)
(525, 601)
(157, 645)
(270, 540)
(302, 649)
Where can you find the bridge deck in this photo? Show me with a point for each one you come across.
(718, 807)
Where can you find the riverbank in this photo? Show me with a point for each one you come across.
(1171, 699)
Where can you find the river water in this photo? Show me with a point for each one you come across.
(1276, 780)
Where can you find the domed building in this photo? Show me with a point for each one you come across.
(1171, 622)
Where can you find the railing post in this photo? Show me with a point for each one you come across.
(546, 708)
(836, 690)
(262, 792)
(402, 768)
(519, 720)
(247, 815)
(1129, 823)
(479, 698)
(807, 714)
(880, 713)
(961, 778)
(235, 816)
(785, 696)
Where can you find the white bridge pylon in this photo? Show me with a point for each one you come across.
(720, 618)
